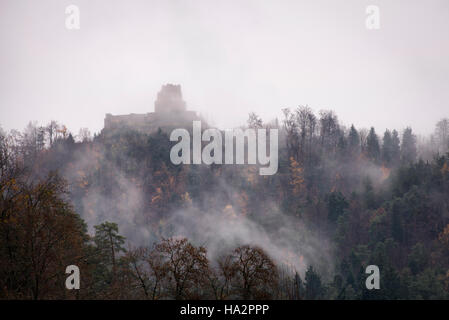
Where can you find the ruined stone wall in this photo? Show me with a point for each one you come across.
(170, 112)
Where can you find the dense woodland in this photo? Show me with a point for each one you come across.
(139, 227)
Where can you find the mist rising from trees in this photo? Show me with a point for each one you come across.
(343, 198)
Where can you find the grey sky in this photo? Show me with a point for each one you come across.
(231, 57)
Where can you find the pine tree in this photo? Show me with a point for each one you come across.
(387, 146)
(353, 141)
(314, 288)
(109, 242)
(299, 287)
(408, 146)
(372, 144)
(395, 148)
(336, 205)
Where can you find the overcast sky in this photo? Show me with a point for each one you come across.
(231, 57)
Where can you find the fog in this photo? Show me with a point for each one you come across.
(231, 58)
(217, 222)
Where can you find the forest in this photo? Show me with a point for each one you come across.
(140, 227)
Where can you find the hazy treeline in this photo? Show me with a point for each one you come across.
(343, 198)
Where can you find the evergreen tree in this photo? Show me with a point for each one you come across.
(342, 146)
(336, 205)
(299, 287)
(408, 146)
(369, 195)
(395, 148)
(314, 287)
(387, 147)
(353, 140)
(372, 145)
(109, 243)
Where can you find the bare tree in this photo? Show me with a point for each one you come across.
(184, 265)
(255, 273)
(84, 135)
(254, 121)
(220, 278)
(52, 129)
(442, 134)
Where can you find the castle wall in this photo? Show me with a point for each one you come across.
(170, 112)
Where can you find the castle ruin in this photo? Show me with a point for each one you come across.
(169, 112)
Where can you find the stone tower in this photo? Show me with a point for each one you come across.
(169, 99)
